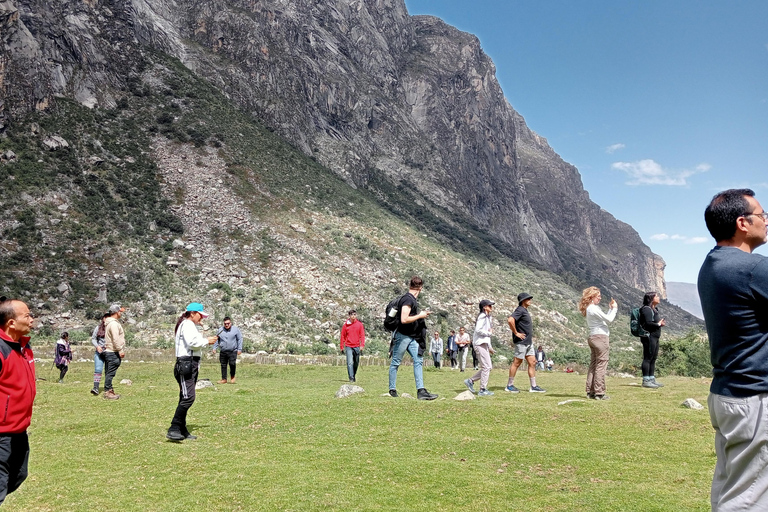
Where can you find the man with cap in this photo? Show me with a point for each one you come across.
(17, 387)
(352, 342)
(189, 345)
(481, 339)
(114, 348)
(522, 335)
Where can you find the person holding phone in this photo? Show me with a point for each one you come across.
(597, 323)
(651, 321)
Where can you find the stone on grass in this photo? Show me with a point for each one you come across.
(126, 382)
(406, 395)
(692, 404)
(204, 383)
(466, 395)
(348, 390)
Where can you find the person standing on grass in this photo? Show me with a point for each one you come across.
(540, 357)
(733, 288)
(410, 336)
(597, 323)
(63, 355)
(352, 343)
(462, 342)
(98, 342)
(229, 341)
(17, 387)
(522, 335)
(482, 342)
(651, 321)
(436, 348)
(452, 349)
(114, 348)
(189, 345)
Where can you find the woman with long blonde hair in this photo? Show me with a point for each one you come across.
(597, 322)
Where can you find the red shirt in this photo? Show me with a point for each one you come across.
(17, 384)
(353, 334)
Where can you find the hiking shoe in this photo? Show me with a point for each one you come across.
(650, 384)
(111, 395)
(222, 381)
(393, 393)
(95, 391)
(602, 397)
(511, 389)
(591, 396)
(175, 435)
(423, 394)
(485, 392)
(470, 385)
(657, 382)
(537, 389)
(232, 380)
(189, 436)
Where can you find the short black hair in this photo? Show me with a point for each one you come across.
(64, 335)
(416, 283)
(7, 311)
(723, 211)
(225, 319)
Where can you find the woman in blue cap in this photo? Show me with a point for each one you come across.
(189, 345)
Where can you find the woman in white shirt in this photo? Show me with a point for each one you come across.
(189, 346)
(482, 342)
(597, 322)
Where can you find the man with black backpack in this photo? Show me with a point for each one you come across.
(410, 336)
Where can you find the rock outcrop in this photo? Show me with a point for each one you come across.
(382, 98)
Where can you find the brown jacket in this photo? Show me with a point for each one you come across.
(114, 336)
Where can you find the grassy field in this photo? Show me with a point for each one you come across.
(279, 440)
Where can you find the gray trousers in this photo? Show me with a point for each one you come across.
(740, 481)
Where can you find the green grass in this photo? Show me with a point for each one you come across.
(279, 440)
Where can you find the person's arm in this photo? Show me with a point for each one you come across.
(513, 326)
(362, 335)
(606, 317)
(239, 338)
(195, 338)
(647, 313)
(405, 317)
(343, 338)
(94, 338)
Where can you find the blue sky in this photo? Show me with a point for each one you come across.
(659, 104)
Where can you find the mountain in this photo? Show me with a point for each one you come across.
(686, 296)
(160, 149)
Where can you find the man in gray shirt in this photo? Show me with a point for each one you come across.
(230, 345)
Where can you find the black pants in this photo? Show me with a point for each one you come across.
(650, 353)
(14, 456)
(186, 392)
(474, 356)
(63, 369)
(228, 357)
(112, 362)
(452, 354)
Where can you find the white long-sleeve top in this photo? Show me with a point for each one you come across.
(189, 341)
(597, 321)
(436, 345)
(482, 334)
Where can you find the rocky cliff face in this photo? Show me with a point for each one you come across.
(378, 96)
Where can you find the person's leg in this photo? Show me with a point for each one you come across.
(516, 362)
(646, 366)
(653, 352)
(112, 363)
(186, 399)
(474, 357)
(485, 365)
(418, 371)
(601, 363)
(399, 347)
(350, 354)
(223, 361)
(63, 371)
(355, 361)
(592, 366)
(232, 365)
(98, 368)
(463, 357)
(14, 458)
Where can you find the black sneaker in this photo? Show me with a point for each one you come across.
(175, 435)
(189, 436)
(95, 391)
(393, 393)
(423, 394)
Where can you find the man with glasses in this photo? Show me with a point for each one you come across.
(230, 344)
(733, 287)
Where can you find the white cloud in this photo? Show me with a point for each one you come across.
(614, 147)
(648, 172)
(688, 240)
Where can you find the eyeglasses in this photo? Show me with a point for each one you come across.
(764, 215)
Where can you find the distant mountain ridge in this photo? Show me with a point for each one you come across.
(686, 296)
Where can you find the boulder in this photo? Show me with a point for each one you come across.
(690, 403)
(203, 383)
(348, 390)
(126, 382)
(465, 395)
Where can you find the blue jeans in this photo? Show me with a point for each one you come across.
(98, 363)
(402, 344)
(353, 360)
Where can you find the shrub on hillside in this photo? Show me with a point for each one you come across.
(687, 356)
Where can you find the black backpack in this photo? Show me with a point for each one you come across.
(392, 314)
(634, 324)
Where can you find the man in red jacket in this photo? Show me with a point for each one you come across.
(352, 342)
(17, 391)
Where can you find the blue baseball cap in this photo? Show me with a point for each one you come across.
(196, 306)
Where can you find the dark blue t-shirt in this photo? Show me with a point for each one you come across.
(733, 288)
(523, 324)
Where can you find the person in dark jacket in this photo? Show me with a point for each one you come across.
(63, 355)
(17, 383)
(651, 321)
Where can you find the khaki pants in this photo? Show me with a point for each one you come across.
(598, 363)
